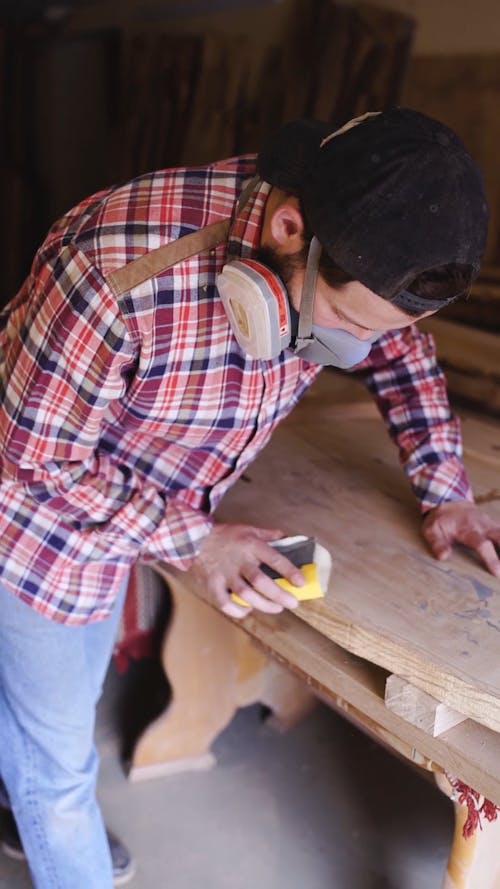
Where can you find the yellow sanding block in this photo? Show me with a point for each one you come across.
(316, 573)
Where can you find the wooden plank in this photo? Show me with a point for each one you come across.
(462, 90)
(356, 688)
(334, 61)
(474, 391)
(376, 61)
(316, 45)
(490, 272)
(419, 708)
(464, 348)
(218, 99)
(436, 624)
(487, 288)
(481, 308)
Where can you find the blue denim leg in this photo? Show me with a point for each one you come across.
(51, 677)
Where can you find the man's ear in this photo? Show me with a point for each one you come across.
(286, 228)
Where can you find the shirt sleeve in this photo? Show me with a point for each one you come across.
(68, 356)
(410, 390)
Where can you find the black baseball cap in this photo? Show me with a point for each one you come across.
(389, 196)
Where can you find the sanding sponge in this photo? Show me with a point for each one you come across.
(313, 560)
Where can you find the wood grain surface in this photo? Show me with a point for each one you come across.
(331, 471)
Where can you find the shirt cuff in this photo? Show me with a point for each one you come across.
(177, 540)
(441, 482)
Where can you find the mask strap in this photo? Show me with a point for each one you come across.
(245, 194)
(241, 204)
(307, 297)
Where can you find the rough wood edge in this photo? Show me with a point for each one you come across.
(173, 767)
(419, 708)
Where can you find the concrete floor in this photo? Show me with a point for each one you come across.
(320, 807)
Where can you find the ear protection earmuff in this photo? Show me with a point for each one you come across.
(256, 303)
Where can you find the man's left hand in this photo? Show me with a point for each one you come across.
(463, 522)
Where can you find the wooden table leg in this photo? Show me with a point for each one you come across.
(213, 668)
(474, 863)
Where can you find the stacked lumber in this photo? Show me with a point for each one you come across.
(53, 133)
(167, 98)
(18, 208)
(463, 90)
(194, 98)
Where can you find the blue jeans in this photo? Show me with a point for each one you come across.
(51, 678)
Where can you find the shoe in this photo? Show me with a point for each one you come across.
(11, 841)
(123, 864)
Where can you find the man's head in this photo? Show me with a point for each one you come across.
(395, 201)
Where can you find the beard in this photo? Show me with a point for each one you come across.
(284, 266)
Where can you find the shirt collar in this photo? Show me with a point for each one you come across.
(246, 227)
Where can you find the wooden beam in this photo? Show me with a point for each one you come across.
(419, 708)
(465, 348)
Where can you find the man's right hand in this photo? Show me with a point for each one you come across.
(229, 562)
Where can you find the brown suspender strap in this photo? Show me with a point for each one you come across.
(151, 264)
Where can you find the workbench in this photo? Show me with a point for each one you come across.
(404, 646)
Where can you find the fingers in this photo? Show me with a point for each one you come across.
(463, 523)
(232, 609)
(262, 592)
(479, 537)
(258, 601)
(487, 553)
(439, 547)
(258, 591)
(266, 533)
(438, 539)
(283, 566)
(230, 561)
(255, 587)
(221, 597)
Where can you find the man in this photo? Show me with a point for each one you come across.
(165, 329)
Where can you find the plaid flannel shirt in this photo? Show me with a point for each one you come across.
(123, 420)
